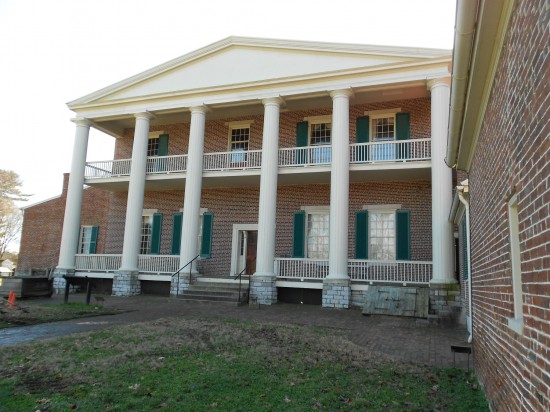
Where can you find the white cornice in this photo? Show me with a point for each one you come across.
(417, 53)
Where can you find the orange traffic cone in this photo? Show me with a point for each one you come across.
(11, 299)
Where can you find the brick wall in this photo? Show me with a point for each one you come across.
(513, 156)
(43, 223)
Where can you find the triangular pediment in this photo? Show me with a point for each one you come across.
(241, 62)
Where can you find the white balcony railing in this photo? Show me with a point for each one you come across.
(111, 263)
(393, 151)
(402, 271)
(360, 153)
(108, 168)
(251, 159)
(166, 164)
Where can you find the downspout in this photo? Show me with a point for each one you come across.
(466, 16)
(464, 198)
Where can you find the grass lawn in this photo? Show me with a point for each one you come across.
(203, 365)
(31, 314)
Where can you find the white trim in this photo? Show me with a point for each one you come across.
(239, 124)
(155, 135)
(149, 212)
(382, 208)
(515, 262)
(382, 111)
(316, 209)
(237, 227)
(326, 118)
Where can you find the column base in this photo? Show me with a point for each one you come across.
(262, 290)
(58, 281)
(336, 293)
(126, 284)
(179, 284)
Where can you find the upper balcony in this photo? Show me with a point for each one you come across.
(393, 160)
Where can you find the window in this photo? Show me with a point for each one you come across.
(516, 323)
(382, 235)
(383, 130)
(87, 240)
(317, 235)
(153, 147)
(320, 132)
(146, 234)
(239, 139)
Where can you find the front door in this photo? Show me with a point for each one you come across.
(246, 256)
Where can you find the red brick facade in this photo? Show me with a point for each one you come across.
(513, 158)
(43, 223)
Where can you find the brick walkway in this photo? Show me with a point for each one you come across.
(406, 339)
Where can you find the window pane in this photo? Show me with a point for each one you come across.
(383, 129)
(317, 236)
(320, 134)
(146, 232)
(85, 240)
(153, 147)
(382, 235)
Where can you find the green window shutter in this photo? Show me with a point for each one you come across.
(206, 243)
(176, 233)
(299, 235)
(362, 234)
(402, 132)
(403, 234)
(302, 140)
(93, 240)
(163, 145)
(362, 129)
(465, 268)
(156, 234)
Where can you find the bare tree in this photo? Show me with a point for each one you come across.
(11, 222)
(11, 219)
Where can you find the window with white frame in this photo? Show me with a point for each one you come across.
(320, 134)
(383, 127)
(382, 235)
(153, 146)
(516, 323)
(146, 234)
(239, 138)
(317, 234)
(85, 240)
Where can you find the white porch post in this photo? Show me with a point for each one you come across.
(193, 187)
(442, 230)
(125, 282)
(71, 222)
(336, 287)
(262, 288)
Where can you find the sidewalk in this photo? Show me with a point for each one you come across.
(406, 339)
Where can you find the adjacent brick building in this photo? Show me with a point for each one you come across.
(500, 137)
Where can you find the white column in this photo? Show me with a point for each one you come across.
(268, 189)
(442, 229)
(193, 187)
(136, 190)
(71, 222)
(339, 186)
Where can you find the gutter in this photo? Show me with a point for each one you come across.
(464, 197)
(465, 25)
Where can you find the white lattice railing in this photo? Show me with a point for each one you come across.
(305, 156)
(401, 271)
(394, 151)
(111, 263)
(251, 159)
(301, 268)
(107, 168)
(166, 164)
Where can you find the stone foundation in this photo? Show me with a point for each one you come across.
(263, 290)
(445, 303)
(179, 284)
(336, 293)
(126, 284)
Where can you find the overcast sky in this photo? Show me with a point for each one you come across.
(55, 51)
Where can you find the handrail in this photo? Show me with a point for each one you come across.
(180, 269)
(240, 276)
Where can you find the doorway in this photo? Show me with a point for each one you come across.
(245, 242)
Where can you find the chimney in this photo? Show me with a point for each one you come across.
(65, 184)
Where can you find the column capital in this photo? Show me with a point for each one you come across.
(202, 109)
(442, 81)
(81, 122)
(341, 93)
(276, 100)
(144, 115)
